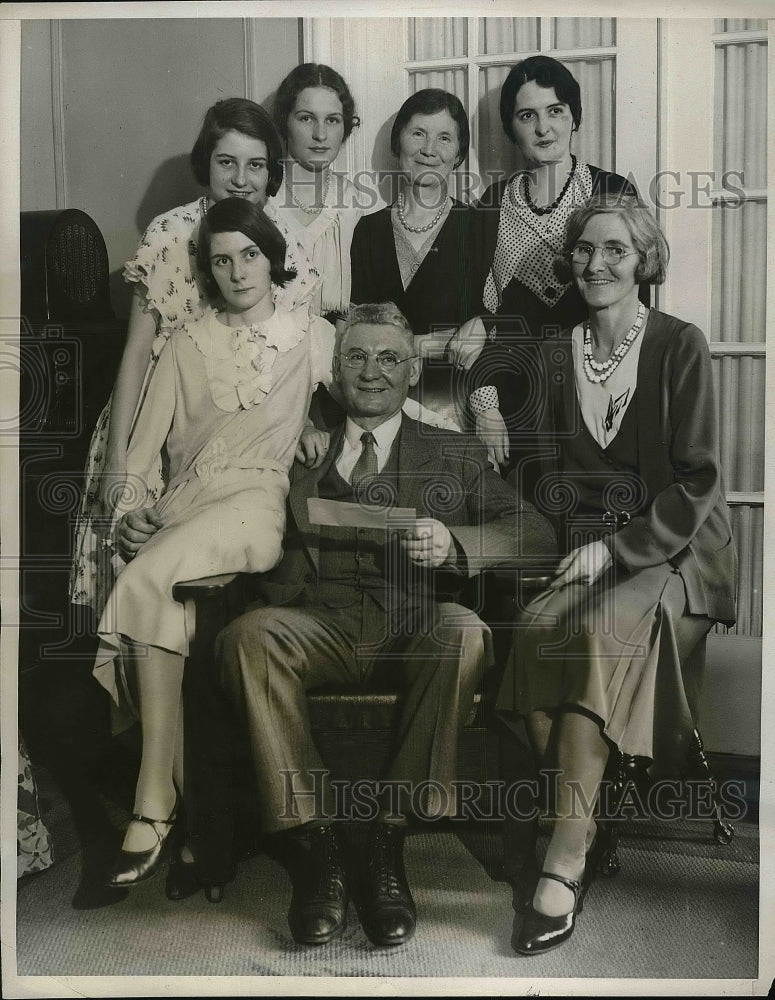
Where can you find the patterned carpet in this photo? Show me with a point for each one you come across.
(683, 907)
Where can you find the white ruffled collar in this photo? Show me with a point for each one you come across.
(239, 360)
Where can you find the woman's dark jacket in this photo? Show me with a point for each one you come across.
(685, 519)
(438, 295)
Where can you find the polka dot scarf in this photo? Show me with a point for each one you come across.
(528, 243)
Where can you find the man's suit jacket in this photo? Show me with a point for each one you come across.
(441, 474)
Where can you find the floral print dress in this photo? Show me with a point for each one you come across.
(34, 851)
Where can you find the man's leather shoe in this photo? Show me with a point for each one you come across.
(388, 912)
(318, 911)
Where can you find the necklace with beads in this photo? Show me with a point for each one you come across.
(418, 229)
(547, 209)
(311, 209)
(599, 371)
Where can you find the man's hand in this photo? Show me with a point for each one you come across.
(312, 447)
(492, 432)
(583, 565)
(136, 528)
(428, 543)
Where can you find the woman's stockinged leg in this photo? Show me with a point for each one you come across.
(539, 727)
(582, 755)
(159, 681)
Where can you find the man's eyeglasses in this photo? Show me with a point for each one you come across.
(387, 360)
(612, 254)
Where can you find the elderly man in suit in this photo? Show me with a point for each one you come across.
(349, 604)
(357, 604)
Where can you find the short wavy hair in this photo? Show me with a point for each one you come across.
(430, 101)
(377, 314)
(647, 237)
(237, 114)
(312, 75)
(546, 72)
(236, 215)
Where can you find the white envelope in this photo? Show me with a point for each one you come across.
(355, 515)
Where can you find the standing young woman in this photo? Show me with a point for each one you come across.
(237, 154)
(315, 208)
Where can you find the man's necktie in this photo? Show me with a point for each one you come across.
(366, 467)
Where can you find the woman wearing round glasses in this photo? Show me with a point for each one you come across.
(518, 230)
(637, 494)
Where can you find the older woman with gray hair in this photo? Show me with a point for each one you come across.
(636, 491)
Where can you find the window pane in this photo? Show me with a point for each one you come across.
(740, 138)
(725, 24)
(437, 37)
(495, 151)
(739, 385)
(594, 142)
(508, 34)
(747, 530)
(739, 277)
(583, 32)
(453, 80)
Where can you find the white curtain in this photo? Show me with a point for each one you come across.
(455, 81)
(594, 141)
(496, 153)
(583, 32)
(437, 37)
(740, 386)
(740, 137)
(738, 294)
(739, 275)
(748, 531)
(498, 35)
(726, 24)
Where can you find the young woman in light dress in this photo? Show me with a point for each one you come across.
(316, 208)
(227, 401)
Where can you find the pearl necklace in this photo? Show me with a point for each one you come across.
(547, 209)
(419, 229)
(311, 209)
(599, 371)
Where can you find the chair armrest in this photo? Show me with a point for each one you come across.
(205, 587)
(508, 587)
(210, 602)
(529, 575)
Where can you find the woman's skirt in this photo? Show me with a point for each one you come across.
(234, 526)
(616, 650)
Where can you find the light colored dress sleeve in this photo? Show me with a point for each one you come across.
(165, 264)
(322, 338)
(419, 412)
(150, 431)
